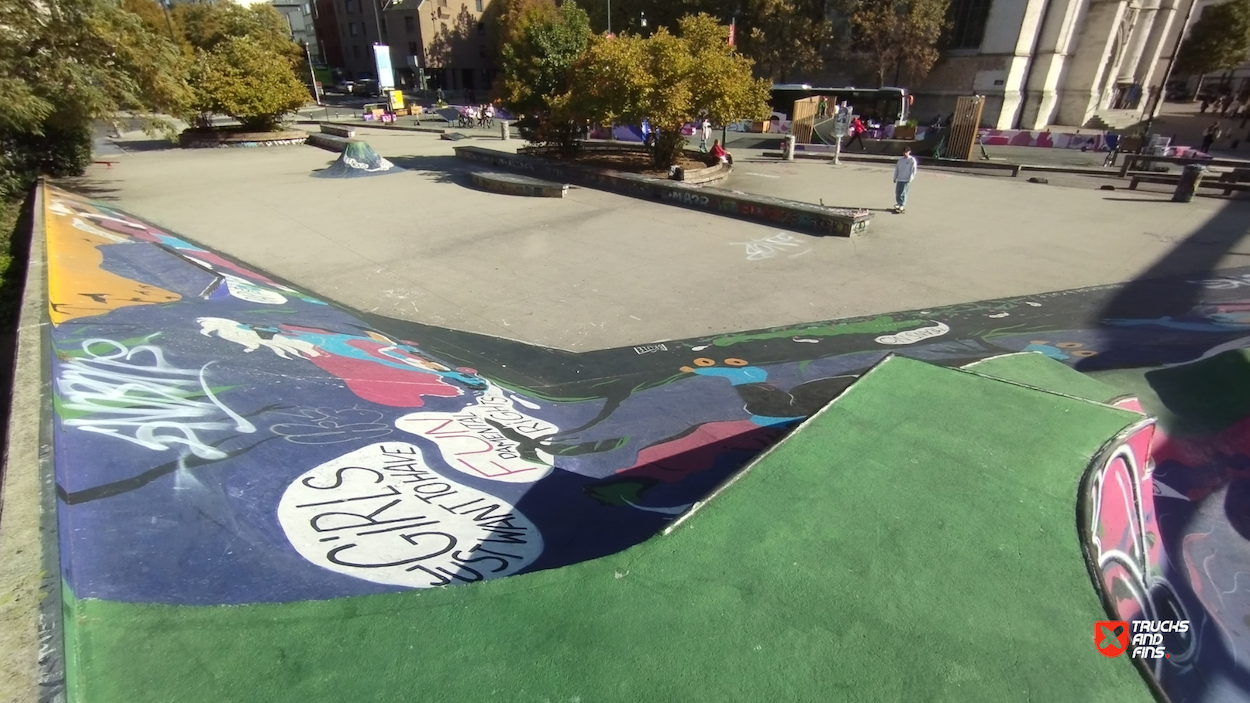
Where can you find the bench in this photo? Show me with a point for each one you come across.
(1226, 186)
(338, 130)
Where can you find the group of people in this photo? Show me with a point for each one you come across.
(482, 115)
(1227, 105)
(716, 150)
(1232, 109)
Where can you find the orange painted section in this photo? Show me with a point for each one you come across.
(77, 284)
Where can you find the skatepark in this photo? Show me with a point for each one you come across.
(394, 438)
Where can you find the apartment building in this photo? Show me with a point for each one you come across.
(444, 42)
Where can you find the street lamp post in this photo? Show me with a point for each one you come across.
(733, 23)
(1167, 76)
(377, 20)
(312, 74)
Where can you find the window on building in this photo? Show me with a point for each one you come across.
(412, 48)
(479, 5)
(410, 25)
(481, 51)
(481, 29)
(967, 24)
(349, 5)
(353, 28)
(356, 51)
(443, 27)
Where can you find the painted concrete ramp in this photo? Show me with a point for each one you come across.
(262, 495)
(930, 554)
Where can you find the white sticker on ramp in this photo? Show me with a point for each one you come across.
(916, 335)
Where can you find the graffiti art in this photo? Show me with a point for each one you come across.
(222, 437)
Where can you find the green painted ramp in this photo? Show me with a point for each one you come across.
(914, 541)
(1040, 371)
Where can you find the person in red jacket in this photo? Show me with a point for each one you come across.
(719, 153)
(856, 131)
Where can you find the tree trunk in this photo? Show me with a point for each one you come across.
(668, 146)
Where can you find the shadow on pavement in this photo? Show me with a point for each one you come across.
(88, 186)
(440, 169)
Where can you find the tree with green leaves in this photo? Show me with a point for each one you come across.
(65, 64)
(668, 80)
(205, 25)
(1218, 41)
(538, 45)
(898, 38)
(244, 79)
(786, 35)
(245, 64)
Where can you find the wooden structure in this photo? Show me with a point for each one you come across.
(803, 119)
(964, 125)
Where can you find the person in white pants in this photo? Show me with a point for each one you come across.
(904, 173)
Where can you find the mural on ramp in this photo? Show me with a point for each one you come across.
(221, 437)
(358, 160)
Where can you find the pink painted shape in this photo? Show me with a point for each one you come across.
(383, 384)
(698, 451)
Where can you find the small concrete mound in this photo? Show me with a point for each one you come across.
(512, 184)
(358, 160)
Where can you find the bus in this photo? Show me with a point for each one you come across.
(883, 104)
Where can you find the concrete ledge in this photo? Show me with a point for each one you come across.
(711, 174)
(756, 208)
(32, 652)
(776, 212)
(337, 130)
(393, 127)
(511, 184)
(193, 139)
(328, 142)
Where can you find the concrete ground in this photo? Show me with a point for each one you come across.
(598, 270)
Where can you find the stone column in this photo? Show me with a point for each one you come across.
(1081, 91)
(1050, 56)
(1148, 68)
(1137, 41)
(1011, 32)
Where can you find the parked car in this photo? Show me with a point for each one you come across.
(367, 88)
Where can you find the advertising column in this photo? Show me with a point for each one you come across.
(382, 59)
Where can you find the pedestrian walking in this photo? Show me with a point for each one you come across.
(438, 95)
(857, 135)
(904, 173)
(705, 133)
(1209, 136)
(822, 107)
